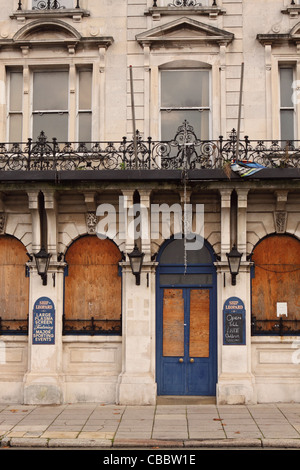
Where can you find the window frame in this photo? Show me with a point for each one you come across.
(83, 111)
(9, 323)
(32, 111)
(187, 108)
(27, 112)
(88, 324)
(281, 325)
(292, 108)
(11, 112)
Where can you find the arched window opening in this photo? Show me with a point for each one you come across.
(186, 262)
(92, 287)
(193, 251)
(275, 286)
(14, 287)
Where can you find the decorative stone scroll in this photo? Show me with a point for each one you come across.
(91, 222)
(280, 219)
(2, 222)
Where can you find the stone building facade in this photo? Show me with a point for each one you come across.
(125, 124)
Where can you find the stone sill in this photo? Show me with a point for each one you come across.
(293, 11)
(76, 13)
(91, 339)
(157, 12)
(274, 339)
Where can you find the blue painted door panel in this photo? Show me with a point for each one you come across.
(182, 374)
(173, 377)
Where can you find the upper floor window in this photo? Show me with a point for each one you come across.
(287, 108)
(15, 100)
(53, 104)
(185, 95)
(50, 111)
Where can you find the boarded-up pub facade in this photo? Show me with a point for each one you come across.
(168, 129)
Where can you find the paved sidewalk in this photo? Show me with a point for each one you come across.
(161, 426)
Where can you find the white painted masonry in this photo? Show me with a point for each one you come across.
(108, 37)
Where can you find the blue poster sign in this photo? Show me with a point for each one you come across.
(234, 321)
(43, 321)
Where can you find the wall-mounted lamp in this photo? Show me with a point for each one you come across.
(234, 261)
(136, 262)
(42, 259)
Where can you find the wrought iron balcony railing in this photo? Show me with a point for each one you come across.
(185, 3)
(184, 152)
(49, 5)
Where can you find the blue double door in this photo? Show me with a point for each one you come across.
(186, 340)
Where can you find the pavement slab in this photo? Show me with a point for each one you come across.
(174, 425)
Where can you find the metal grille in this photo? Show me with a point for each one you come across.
(185, 151)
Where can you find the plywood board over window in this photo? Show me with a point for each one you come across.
(277, 277)
(173, 322)
(199, 323)
(93, 284)
(14, 285)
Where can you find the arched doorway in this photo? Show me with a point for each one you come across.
(92, 287)
(275, 285)
(186, 360)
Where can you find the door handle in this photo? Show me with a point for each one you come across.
(181, 360)
(192, 359)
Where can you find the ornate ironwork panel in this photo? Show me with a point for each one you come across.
(92, 327)
(185, 152)
(278, 327)
(49, 5)
(184, 3)
(13, 327)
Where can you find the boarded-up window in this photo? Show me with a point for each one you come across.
(276, 281)
(14, 286)
(93, 287)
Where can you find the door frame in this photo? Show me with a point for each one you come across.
(212, 287)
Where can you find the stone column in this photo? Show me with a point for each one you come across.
(225, 222)
(43, 382)
(136, 384)
(51, 215)
(242, 221)
(235, 381)
(145, 223)
(33, 205)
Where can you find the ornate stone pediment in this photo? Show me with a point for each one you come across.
(40, 33)
(46, 31)
(184, 31)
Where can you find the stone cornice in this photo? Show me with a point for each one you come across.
(76, 13)
(185, 30)
(212, 12)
